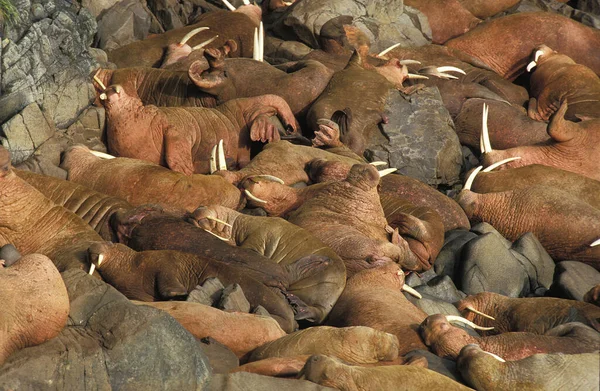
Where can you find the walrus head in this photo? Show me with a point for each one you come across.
(539, 55)
(363, 176)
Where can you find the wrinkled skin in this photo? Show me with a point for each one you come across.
(148, 228)
(275, 366)
(446, 340)
(299, 83)
(330, 372)
(535, 315)
(508, 125)
(484, 9)
(167, 274)
(506, 43)
(574, 147)
(564, 224)
(537, 372)
(284, 243)
(182, 138)
(140, 183)
(91, 206)
(359, 345)
(35, 304)
(239, 331)
(348, 217)
(584, 188)
(593, 296)
(35, 224)
(373, 298)
(448, 19)
(238, 26)
(556, 79)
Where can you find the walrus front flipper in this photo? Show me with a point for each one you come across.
(306, 267)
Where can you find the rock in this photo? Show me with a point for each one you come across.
(125, 22)
(9, 254)
(220, 358)
(12, 104)
(431, 306)
(536, 261)
(233, 299)
(25, 132)
(440, 365)
(96, 7)
(109, 343)
(448, 259)
(260, 310)
(173, 14)
(243, 381)
(586, 12)
(419, 139)
(208, 293)
(441, 288)
(573, 279)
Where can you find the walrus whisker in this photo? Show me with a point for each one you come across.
(268, 177)
(203, 44)
(253, 197)
(383, 173)
(102, 154)
(471, 178)
(473, 310)
(501, 162)
(218, 221)
(214, 234)
(454, 318)
(228, 5)
(386, 51)
(189, 35)
(596, 243)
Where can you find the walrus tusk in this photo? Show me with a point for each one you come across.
(383, 173)
(288, 3)
(214, 234)
(118, 89)
(409, 289)
(495, 356)
(255, 50)
(189, 35)
(246, 2)
(253, 197)
(103, 96)
(501, 162)
(473, 310)
(447, 68)
(531, 65)
(218, 221)
(471, 178)
(261, 42)
(102, 155)
(410, 62)
(485, 134)
(213, 159)
(378, 163)
(203, 44)
(454, 318)
(99, 81)
(228, 5)
(222, 164)
(415, 76)
(596, 243)
(386, 51)
(93, 266)
(268, 177)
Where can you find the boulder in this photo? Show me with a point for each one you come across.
(173, 14)
(573, 279)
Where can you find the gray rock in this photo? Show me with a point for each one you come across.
(432, 306)
(484, 228)
(109, 343)
(260, 310)
(420, 138)
(12, 104)
(172, 14)
(448, 259)
(574, 279)
(233, 299)
(586, 11)
(96, 7)
(209, 293)
(125, 22)
(440, 365)
(442, 288)
(220, 358)
(536, 261)
(245, 381)
(9, 254)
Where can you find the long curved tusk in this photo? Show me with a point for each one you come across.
(268, 177)
(228, 5)
(501, 162)
(203, 44)
(214, 234)
(410, 290)
(99, 81)
(253, 197)
(255, 50)
(261, 42)
(471, 178)
(415, 76)
(485, 134)
(383, 173)
(218, 221)
(454, 318)
(596, 243)
(450, 69)
(378, 163)
(531, 65)
(473, 310)
(189, 35)
(386, 51)
(246, 2)
(222, 164)
(495, 356)
(538, 54)
(102, 155)
(410, 62)
(213, 159)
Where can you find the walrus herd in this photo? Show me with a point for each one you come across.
(238, 212)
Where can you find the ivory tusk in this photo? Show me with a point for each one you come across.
(495, 356)
(218, 221)
(103, 96)
(203, 44)
(410, 62)
(596, 243)
(99, 81)
(189, 35)
(213, 159)
(410, 290)
(288, 3)
(471, 178)
(228, 5)
(450, 69)
(255, 50)
(269, 177)
(531, 65)
(473, 310)
(222, 163)
(378, 163)
(454, 318)
(538, 54)
(214, 234)
(501, 162)
(386, 51)
(92, 268)
(102, 155)
(253, 197)
(485, 134)
(246, 2)
(415, 76)
(383, 173)
(118, 89)
(261, 42)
